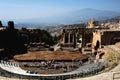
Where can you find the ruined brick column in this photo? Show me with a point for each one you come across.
(69, 37)
(63, 36)
(75, 40)
(11, 25)
(91, 23)
(1, 24)
(83, 37)
(72, 38)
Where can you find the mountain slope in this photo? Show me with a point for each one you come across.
(85, 14)
(78, 16)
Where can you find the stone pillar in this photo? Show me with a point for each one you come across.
(69, 38)
(73, 39)
(63, 38)
(76, 37)
(83, 37)
(11, 25)
(1, 24)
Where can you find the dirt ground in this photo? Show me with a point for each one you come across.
(50, 55)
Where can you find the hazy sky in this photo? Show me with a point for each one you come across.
(26, 9)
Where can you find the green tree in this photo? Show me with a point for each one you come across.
(46, 37)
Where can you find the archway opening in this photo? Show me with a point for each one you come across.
(97, 45)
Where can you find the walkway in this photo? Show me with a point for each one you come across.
(103, 76)
(4, 78)
(114, 48)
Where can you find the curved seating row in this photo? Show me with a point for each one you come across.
(81, 71)
(13, 68)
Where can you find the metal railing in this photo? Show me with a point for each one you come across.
(116, 76)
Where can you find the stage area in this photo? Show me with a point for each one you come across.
(50, 55)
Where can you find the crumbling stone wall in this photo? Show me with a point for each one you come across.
(70, 37)
(11, 41)
(110, 37)
(91, 23)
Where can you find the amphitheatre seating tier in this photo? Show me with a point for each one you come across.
(80, 72)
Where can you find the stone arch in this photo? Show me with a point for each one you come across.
(66, 38)
(101, 55)
(71, 38)
(97, 45)
(96, 41)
